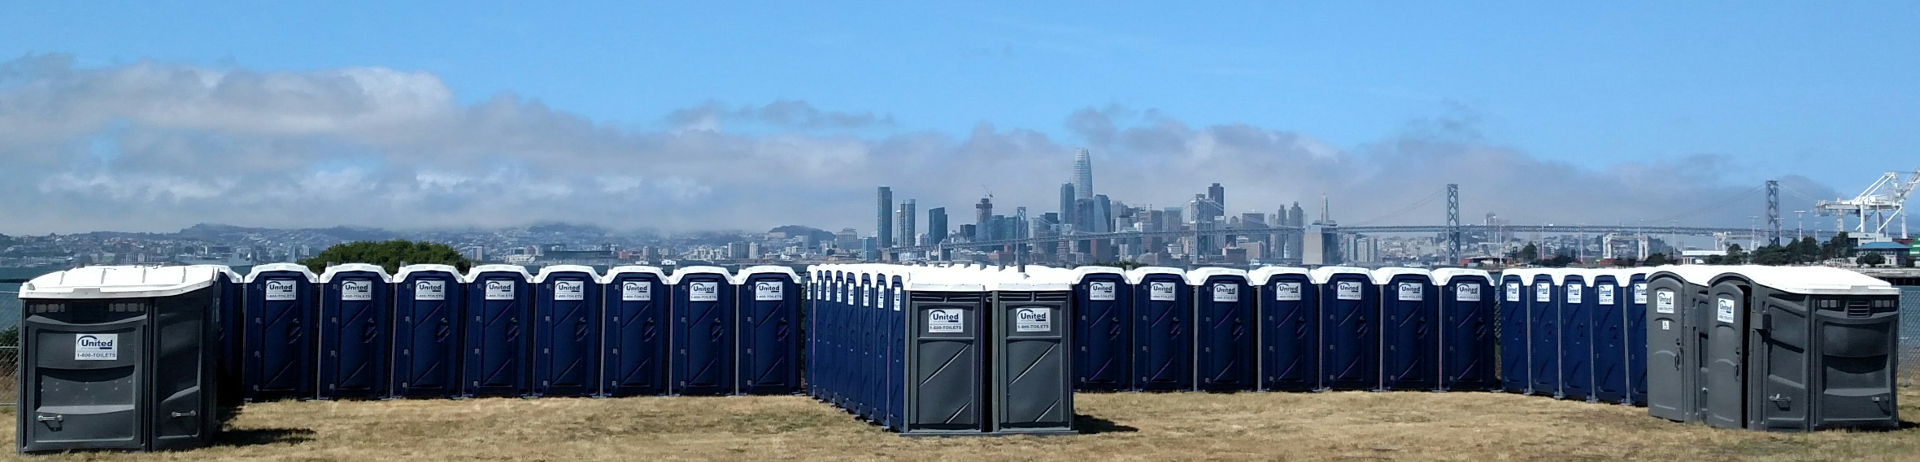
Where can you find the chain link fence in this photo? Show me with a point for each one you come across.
(1909, 372)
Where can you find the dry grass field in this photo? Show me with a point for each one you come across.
(1123, 426)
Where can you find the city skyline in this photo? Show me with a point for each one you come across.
(155, 118)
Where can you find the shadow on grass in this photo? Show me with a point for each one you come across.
(259, 436)
(1090, 425)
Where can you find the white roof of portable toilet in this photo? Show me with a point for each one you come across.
(1033, 281)
(1817, 280)
(224, 270)
(1136, 275)
(692, 270)
(261, 269)
(948, 279)
(1444, 276)
(1585, 275)
(1382, 275)
(767, 269)
(1081, 273)
(105, 282)
(1199, 275)
(548, 270)
(1700, 275)
(473, 274)
(1325, 273)
(1261, 275)
(619, 270)
(1527, 275)
(335, 270)
(429, 267)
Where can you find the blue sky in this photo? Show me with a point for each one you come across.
(1827, 91)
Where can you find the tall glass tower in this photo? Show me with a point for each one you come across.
(1083, 174)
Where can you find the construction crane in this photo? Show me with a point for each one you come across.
(1876, 207)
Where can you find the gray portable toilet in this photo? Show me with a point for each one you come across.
(1031, 385)
(1671, 365)
(1822, 346)
(118, 357)
(945, 351)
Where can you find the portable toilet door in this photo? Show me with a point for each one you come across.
(1349, 306)
(428, 310)
(1822, 351)
(1162, 329)
(1409, 334)
(703, 331)
(1609, 340)
(499, 303)
(1289, 320)
(1467, 341)
(228, 325)
(894, 332)
(1103, 307)
(1636, 321)
(866, 359)
(280, 330)
(769, 314)
(1721, 383)
(1576, 336)
(1226, 344)
(118, 357)
(634, 356)
(1515, 343)
(808, 329)
(1671, 365)
(1543, 312)
(356, 301)
(566, 310)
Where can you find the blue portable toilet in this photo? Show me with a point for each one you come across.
(1103, 308)
(566, 311)
(429, 307)
(498, 331)
(1515, 344)
(1636, 320)
(228, 325)
(1225, 323)
(1349, 328)
(280, 330)
(1409, 329)
(1576, 335)
(1162, 329)
(1468, 308)
(1289, 319)
(1609, 342)
(636, 319)
(1543, 316)
(769, 330)
(894, 337)
(356, 300)
(703, 345)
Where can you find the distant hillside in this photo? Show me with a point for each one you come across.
(797, 230)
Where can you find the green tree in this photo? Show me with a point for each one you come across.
(389, 255)
(1871, 259)
(1734, 256)
(1657, 259)
(1626, 262)
(1805, 250)
(1840, 246)
(1528, 253)
(1772, 255)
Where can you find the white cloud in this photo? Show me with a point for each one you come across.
(372, 146)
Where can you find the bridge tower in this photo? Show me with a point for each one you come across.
(1453, 224)
(1773, 212)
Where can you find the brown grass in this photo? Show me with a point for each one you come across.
(1124, 426)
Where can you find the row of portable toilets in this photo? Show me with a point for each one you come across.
(137, 357)
(962, 350)
(354, 331)
(1765, 348)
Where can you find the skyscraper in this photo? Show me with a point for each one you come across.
(1102, 214)
(908, 216)
(1066, 203)
(1218, 195)
(936, 225)
(1083, 174)
(983, 219)
(883, 229)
